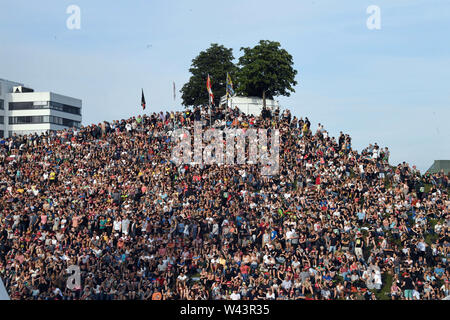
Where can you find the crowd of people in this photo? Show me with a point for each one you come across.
(332, 224)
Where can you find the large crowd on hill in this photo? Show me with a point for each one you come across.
(333, 224)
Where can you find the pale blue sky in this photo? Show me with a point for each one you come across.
(389, 86)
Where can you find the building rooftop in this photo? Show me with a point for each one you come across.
(439, 165)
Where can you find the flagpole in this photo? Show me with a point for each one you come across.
(231, 103)
(226, 111)
(209, 100)
(174, 95)
(226, 93)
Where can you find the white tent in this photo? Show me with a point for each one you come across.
(3, 293)
(249, 105)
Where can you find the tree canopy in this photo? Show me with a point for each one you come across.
(266, 67)
(215, 61)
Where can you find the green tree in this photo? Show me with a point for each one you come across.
(266, 68)
(215, 61)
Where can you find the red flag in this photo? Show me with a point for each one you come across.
(208, 87)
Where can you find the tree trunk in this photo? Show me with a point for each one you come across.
(264, 99)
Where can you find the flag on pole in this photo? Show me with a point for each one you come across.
(230, 91)
(208, 87)
(174, 94)
(143, 100)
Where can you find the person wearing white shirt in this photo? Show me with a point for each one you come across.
(270, 295)
(375, 153)
(377, 280)
(289, 235)
(182, 277)
(235, 295)
(117, 224)
(125, 226)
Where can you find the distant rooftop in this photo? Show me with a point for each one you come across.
(439, 165)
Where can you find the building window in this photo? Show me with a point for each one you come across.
(26, 120)
(44, 119)
(2, 134)
(2, 104)
(44, 105)
(64, 108)
(2, 120)
(28, 105)
(71, 123)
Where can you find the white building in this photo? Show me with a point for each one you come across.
(249, 105)
(23, 111)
